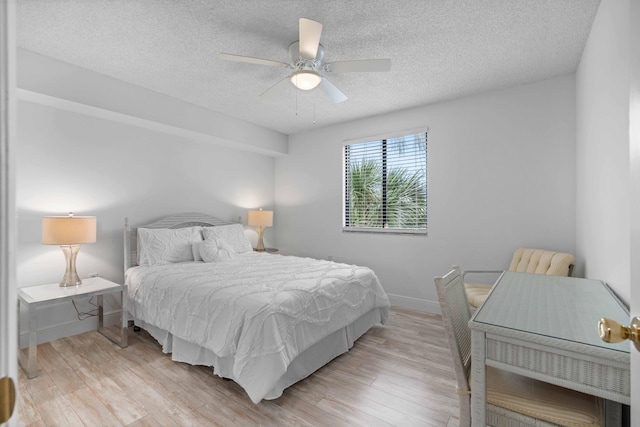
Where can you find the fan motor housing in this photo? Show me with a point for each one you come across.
(306, 64)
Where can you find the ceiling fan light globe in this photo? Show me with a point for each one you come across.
(305, 79)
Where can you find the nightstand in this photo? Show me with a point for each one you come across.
(268, 250)
(35, 296)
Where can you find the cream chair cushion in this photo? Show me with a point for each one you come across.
(476, 293)
(526, 260)
(539, 261)
(541, 400)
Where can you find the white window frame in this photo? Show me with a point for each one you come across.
(386, 136)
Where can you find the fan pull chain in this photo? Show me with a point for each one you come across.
(315, 98)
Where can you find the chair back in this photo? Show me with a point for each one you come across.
(539, 261)
(455, 317)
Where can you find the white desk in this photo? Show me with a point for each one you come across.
(545, 327)
(35, 296)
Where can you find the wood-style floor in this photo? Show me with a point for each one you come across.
(399, 374)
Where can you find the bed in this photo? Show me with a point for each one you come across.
(262, 320)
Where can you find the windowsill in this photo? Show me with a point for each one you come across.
(412, 231)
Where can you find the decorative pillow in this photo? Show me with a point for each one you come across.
(213, 250)
(164, 246)
(232, 234)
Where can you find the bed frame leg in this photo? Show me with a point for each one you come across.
(132, 323)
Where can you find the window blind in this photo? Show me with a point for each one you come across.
(386, 184)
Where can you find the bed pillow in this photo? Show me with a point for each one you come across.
(164, 246)
(232, 234)
(212, 250)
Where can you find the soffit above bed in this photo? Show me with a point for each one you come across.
(439, 50)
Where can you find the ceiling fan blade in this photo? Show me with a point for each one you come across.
(310, 32)
(359, 65)
(252, 60)
(276, 87)
(332, 92)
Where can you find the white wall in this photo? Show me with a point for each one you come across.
(72, 162)
(608, 157)
(501, 174)
(73, 88)
(602, 152)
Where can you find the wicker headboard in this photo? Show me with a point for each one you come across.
(182, 220)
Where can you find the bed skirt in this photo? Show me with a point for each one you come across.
(301, 367)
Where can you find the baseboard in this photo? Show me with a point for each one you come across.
(414, 303)
(68, 329)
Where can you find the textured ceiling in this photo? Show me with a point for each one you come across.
(439, 49)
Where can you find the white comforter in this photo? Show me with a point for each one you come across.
(260, 309)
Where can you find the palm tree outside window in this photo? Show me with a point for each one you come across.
(386, 185)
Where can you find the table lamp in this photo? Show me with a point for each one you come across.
(260, 219)
(69, 232)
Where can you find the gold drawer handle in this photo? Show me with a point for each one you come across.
(612, 331)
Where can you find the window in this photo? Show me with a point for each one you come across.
(385, 185)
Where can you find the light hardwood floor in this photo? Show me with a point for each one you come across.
(399, 374)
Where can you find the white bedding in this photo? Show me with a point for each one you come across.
(257, 311)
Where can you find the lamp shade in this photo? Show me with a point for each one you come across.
(68, 230)
(260, 218)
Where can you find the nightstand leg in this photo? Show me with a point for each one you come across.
(124, 323)
(100, 312)
(121, 338)
(30, 362)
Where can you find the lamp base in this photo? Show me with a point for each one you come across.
(260, 247)
(71, 277)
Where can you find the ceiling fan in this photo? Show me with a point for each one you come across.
(306, 56)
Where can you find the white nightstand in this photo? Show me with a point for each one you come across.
(35, 296)
(268, 250)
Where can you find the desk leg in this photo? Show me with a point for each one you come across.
(478, 380)
(119, 337)
(30, 362)
(613, 413)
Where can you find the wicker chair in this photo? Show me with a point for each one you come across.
(512, 400)
(524, 260)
